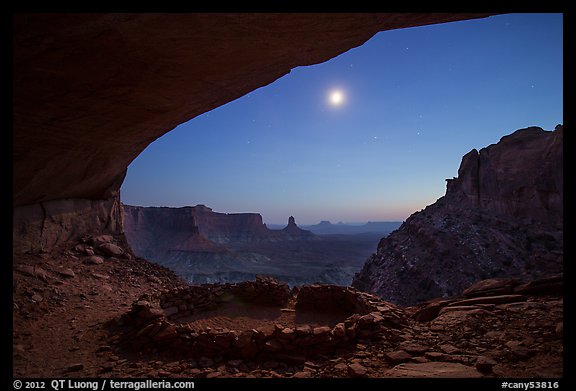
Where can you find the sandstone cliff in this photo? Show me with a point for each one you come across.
(203, 245)
(502, 217)
(154, 231)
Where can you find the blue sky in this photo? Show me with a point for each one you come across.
(415, 101)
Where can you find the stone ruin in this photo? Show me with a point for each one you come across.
(157, 324)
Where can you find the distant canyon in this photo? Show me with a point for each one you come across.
(204, 246)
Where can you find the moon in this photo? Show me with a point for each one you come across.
(336, 97)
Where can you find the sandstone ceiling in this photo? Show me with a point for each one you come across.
(91, 91)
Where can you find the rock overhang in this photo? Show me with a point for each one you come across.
(91, 91)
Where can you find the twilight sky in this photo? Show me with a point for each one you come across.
(413, 102)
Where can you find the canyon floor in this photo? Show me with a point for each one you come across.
(64, 303)
(329, 259)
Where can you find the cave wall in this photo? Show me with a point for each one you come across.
(92, 91)
(42, 226)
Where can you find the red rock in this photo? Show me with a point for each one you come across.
(448, 349)
(167, 332)
(37, 297)
(244, 339)
(321, 331)
(110, 250)
(150, 313)
(302, 375)
(551, 285)
(100, 276)
(351, 330)
(520, 351)
(94, 260)
(507, 201)
(34, 271)
(398, 356)
(436, 356)
(339, 330)
(502, 299)
(490, 287)
(286, 334)
(414, 348)
(433, 370)
(341, 366)
(485, 364)
(101, 239)
(273, 346)
(75, 367)
(303, 330)
(357, 370)
(67, 273)
(223, 340)
(462, 311)
(169, 311)
(141, 304)
(429, 311)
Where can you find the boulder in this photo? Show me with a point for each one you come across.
(94, 260)
(397, 357)
(484, 364)
(110, 250)
(357, 370)
(67, 273)
(100, 239)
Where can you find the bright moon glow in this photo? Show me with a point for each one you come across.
(336, 98)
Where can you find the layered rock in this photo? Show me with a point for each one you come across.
(502, 217)
(189, 228)
(205, 246)
(155, 231)
(42, 226)
(230, 227)
(91, 91)
(520, 177)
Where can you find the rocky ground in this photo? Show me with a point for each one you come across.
(64, 302)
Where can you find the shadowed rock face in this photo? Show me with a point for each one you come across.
(153, 232)
(520, 177)
(294, 231)
(91, 91)
(502, 217)
(194, 233)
